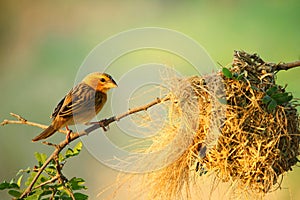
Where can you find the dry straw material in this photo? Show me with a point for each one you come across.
(247, 132)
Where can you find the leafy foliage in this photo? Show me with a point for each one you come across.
(227, 73)
(274, 96)
(51, 183)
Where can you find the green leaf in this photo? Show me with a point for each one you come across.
(75, 151)
(14, 185)
(40, 157)
(272, 105)
(69, 153)
(5, 185)
(80, 196)
(51, 169)
(227, 73)
(272, 90)
(14, 193)
(39, 180)
(61, 157)
(77, 183)
(281, 98)
(19, 180)
(266, 99)
(78, 147)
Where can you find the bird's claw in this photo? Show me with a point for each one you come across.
(68, 136)
(103, 124)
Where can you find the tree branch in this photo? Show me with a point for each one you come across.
(105, 122)
(52, 180)
(59, 147)
(256, 60)
(286, 66)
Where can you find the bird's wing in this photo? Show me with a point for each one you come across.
(79, 99)
(57, 108)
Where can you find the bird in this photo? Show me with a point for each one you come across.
(81, 104)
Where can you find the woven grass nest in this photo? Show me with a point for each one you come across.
(260, 135)
(257, 138)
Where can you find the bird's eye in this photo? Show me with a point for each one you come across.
(102, 80)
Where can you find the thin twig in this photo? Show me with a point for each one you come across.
(59, 147)
(52, 180)
(61, 178)
(21, 120)
(105, 122)
(252, 59)
(18, 117)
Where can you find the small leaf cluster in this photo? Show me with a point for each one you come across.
(51, 184)
(274, 97)
(228, 74)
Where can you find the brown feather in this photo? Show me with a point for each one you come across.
(81, 104)
(46, 133)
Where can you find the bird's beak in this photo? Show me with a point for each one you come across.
(113, 84)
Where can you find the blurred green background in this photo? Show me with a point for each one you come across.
(43, 43)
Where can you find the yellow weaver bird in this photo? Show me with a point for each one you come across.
(81, 104)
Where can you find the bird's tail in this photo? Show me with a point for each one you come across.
(46, 133)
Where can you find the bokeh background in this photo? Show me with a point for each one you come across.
(43, 44)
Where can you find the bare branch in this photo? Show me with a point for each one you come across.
(105, 122)
(18, 117)
(59, 147)
(287, 66)
(255, 60)
(21, 120)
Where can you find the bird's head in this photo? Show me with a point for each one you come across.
(100, 81)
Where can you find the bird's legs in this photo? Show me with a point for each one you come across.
(101, 123)
(68, 136)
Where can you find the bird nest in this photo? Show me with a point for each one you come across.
(249, 140)
(260, 135)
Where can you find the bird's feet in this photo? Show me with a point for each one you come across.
(68, 136)
(104, 123)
